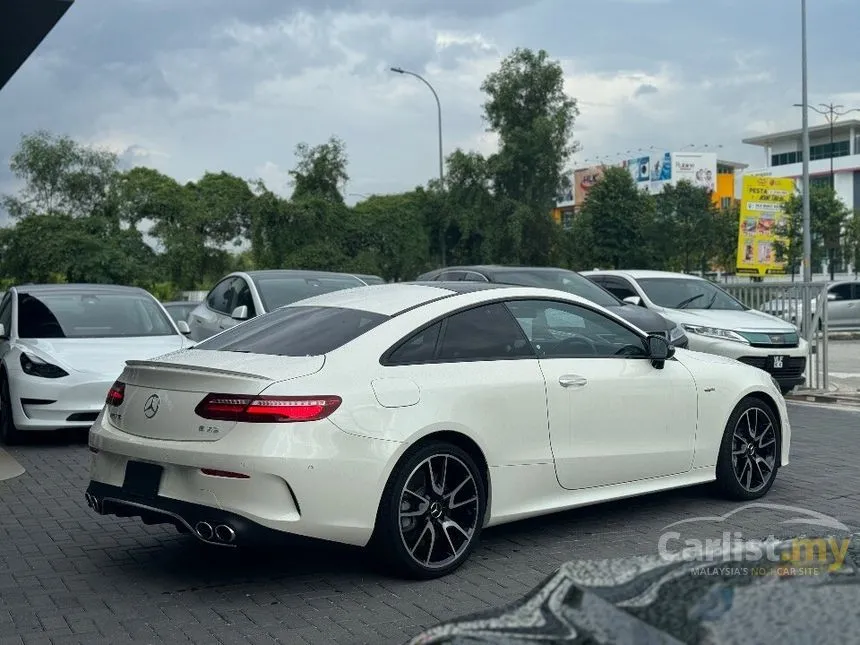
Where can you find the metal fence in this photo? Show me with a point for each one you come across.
(803, 304)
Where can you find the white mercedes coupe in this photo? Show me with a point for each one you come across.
(408, 417)
(63, 345)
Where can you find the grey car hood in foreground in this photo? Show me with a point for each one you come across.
(731, 595)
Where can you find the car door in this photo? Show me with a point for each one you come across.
(843, 310)
(613, 416)
(476, 370)
(206, 320)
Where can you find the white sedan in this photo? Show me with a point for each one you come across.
(62, 346)
(407, 417)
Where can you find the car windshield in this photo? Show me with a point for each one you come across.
(563, 280)
(90, 314)
(277, 291)
(295, 331)
(688, 293)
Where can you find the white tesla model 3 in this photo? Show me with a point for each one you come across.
(410, 416)
(63, 345)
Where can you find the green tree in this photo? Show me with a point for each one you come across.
(852, 242)
(725, 238)
(828, 217)
(617, 220)
(685, 218)
(321, 171)
(60, 175)
(533, 117)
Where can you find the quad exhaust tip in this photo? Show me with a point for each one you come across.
(93, 502)
(220, 533)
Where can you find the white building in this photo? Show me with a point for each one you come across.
(783, 153)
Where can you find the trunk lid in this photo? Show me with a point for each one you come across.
(161, 395)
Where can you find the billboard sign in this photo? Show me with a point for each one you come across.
(583, 180)
(698, 168)
(661, 171)
(762, 215)
(565, 198)
(640, 169)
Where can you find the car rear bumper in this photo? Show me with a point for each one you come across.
(311, 479)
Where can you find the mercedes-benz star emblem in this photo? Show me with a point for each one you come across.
(150, 408)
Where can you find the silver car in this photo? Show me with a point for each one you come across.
(843, 306)
(242, 295)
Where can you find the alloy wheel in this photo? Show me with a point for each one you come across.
(754, 449)
(438, 511)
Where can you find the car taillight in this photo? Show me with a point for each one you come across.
(266, 409)
(116, 394)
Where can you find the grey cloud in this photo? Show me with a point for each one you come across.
(645, 89)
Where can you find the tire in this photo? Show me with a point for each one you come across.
(9, 434)
(429, 511)
(744, 479)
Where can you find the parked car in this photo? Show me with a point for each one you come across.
(843, 306)
(179, 310)
(63, 345)
(564, 280)
(715, 321)
(243, 295)
(407, 417)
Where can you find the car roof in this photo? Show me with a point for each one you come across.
(394, 298)
(638, 274)
(298, 273)
(72, 288)
(492, 268)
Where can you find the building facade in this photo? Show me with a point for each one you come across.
(833, 151)
(654, 171)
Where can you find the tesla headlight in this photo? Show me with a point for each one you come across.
(713, 332)
(35, 366)
(676, 333)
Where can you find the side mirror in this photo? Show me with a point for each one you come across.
(659, 350)
(831, 296)
(2, 330)
(633, 300)
(183, 327)
(240, 313)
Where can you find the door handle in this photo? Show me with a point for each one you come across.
(572, 380)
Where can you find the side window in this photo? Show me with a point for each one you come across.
(475, 277)
(221, 296)
(618, 288)
(564, 330)
(841, 291)
(487, 332)
(451, 276)
(421, 348)
(6, 314)
(244, 297)
(856, 295)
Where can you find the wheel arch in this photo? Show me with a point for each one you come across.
(458, 438)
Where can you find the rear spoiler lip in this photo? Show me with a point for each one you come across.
(195, 368)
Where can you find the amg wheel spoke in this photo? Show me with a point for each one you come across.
(434, 484)
(421, 498)
(471, 500)
(453, 493)
(428, 526)
(749, 474)
(454, 525)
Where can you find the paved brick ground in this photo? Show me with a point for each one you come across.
(69, 576)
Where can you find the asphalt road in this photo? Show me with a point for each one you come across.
(69, 576)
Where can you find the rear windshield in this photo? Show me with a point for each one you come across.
(295, 331)
(277, 291)
(562, 280)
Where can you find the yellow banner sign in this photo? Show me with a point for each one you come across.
(762, 211)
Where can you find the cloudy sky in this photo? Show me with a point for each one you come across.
(194, 85)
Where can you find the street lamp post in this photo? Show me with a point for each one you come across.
(807, 232)
(400, 70)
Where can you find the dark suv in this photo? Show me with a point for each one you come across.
(563, 280)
